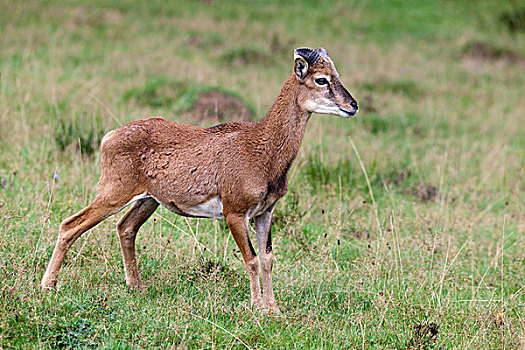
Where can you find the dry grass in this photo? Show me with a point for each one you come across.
(434, 261)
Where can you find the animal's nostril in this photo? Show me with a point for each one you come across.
(354, 104)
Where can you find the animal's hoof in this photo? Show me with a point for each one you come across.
(134, 283)
(135, 287)
(273, 310)
(257, 305)
(268, 308)
(48, 284)
(47, 287)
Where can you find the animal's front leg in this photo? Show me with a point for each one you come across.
(263, 228)
(238, 224)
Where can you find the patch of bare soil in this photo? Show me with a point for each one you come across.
(424, 192)
(487, 52)
(425, 336)
(219, 107)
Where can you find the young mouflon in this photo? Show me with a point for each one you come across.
(234, 171)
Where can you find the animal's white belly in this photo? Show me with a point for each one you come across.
(212, 209)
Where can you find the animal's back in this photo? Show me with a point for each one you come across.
(155, 152)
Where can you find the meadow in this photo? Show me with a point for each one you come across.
(403, 227)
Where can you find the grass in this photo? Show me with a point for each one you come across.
(424, 252)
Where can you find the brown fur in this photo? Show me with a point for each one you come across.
(243, 165)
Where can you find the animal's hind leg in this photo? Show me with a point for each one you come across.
(73, 227)
(127, 229)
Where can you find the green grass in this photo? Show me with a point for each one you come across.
(434, 259)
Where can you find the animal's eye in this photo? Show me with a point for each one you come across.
(321, 81)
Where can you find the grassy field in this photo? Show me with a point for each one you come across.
(403, 227)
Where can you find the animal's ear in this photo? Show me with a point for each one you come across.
(304, 57)
(301, 67)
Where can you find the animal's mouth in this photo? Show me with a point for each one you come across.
(347, 114)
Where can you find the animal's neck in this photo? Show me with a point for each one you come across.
(283, 128)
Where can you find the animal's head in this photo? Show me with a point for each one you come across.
(321, 89)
